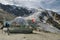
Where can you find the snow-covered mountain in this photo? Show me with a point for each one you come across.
(16, 10)
(46, 19)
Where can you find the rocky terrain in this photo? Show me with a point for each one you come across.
(46, 23)
(34, 36)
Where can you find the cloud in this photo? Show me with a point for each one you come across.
(29, 3)
(48, 1)
(46, 4)
(3, 2)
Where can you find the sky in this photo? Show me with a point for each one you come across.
(46, 4)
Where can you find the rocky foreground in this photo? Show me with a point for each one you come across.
(34, 36)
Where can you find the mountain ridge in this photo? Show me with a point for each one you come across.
(45, 17)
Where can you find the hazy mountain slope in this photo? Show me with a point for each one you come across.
(6, 15)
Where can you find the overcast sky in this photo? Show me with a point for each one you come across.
(46, 4)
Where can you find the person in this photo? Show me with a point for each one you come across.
(7, 25)
(33, 20)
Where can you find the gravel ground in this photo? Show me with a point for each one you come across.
(34, 36)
